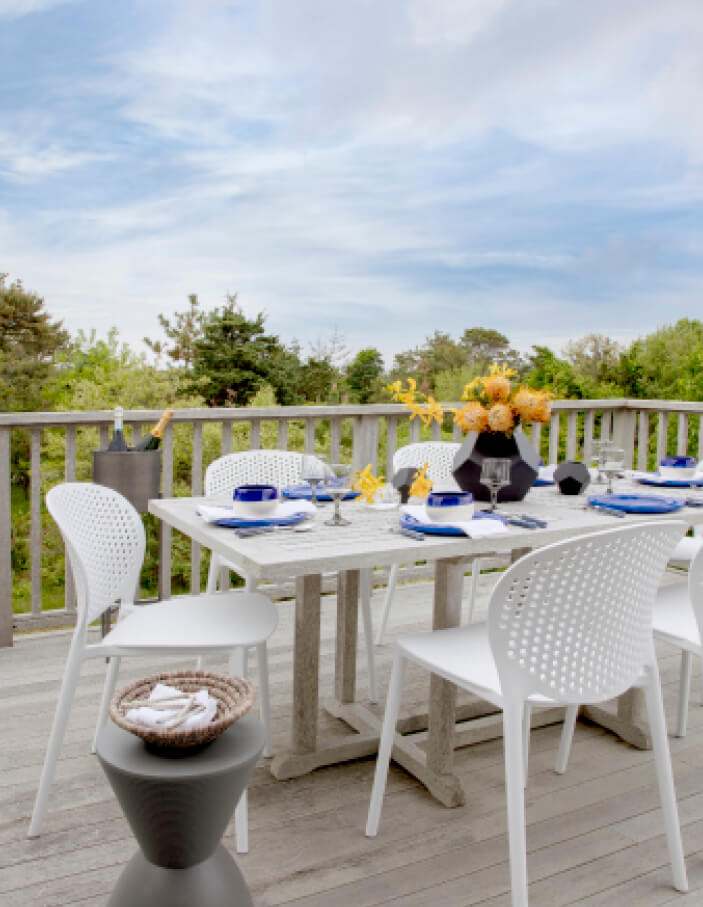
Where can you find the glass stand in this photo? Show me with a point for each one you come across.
(337, 519)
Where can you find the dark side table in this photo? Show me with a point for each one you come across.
(178, 807)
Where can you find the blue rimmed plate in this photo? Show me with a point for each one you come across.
(539, 482)
(242, 522)
(409, 522)
(304, 493)
(636, 503)
(661, 482)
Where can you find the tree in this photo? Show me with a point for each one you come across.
(363, 374)
(29, 345)
(234, 357)
(594, 356)
(483, 346)
(186, 329)
(318, 379)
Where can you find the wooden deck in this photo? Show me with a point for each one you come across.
(594, 835)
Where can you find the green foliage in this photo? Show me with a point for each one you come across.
(29, 344)
(363, 375)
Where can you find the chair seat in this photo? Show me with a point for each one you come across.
(685, 551)
(462, 655)
(673, 618)
(220, 621)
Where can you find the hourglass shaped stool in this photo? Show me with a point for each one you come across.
(178, 806)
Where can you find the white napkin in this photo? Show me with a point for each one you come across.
(546, 473)
(475, 529)
(159, 718)
(213, 512)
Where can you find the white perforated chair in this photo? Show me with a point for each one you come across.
(439, 455)
(105, 542)
(567, 624)
(279, 468)
(678, 612)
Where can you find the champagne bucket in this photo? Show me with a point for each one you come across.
(136, 474)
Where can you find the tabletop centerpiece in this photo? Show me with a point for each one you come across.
(491, 417)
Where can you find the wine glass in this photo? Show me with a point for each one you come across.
(313, 472)
(613, 463)
(338, 487)
(495, 473)
(597, 445)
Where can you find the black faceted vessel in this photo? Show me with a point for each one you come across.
(572, 477)
(478, 446)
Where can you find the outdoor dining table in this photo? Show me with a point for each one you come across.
(367, 543)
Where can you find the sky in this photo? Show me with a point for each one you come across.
(377, 168)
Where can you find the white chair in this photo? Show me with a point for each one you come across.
(678, 611)
(567, 624)
(279, 468)
(105, 542)
(439, 455)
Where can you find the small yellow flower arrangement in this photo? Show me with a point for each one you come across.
(367, 484)
(491, 404)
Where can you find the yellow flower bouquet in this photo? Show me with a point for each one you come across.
(491, 403)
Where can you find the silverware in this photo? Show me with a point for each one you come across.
(611, 511)
(533, 519)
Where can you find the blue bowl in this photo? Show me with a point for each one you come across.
(449, 506)
(677, 467)
(255, 500)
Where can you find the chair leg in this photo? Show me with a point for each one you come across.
(58, 729)
(515, 795)
(665, 780)
(567, 736)
(108, 689)
(684, 692)
(262, 667)
(241, 824)
(473, 588)
(390, 592)
(365, 596)
(238, 662)
(526, 728)
(395, 690)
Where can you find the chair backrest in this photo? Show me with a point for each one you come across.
(277, 467)
(438, 454)
(105, 540)
(573, 620)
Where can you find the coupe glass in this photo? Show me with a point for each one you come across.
(313, 472)
(495, 474)
(612, 464)
(338, 487)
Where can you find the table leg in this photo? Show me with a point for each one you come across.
(347, 631)
(306, 663)
(449, 576)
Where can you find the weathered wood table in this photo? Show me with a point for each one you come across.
(368, 543)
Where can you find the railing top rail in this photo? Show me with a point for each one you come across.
(346, 410)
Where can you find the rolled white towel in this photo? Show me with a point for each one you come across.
(160, 718)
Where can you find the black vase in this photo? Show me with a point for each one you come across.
(516, 447)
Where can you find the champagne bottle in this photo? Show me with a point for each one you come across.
(118, 442)
(152, 440)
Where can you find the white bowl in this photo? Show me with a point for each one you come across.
(254, 508)
(677, 472)
(458, 513)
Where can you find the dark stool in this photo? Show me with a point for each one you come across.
(178, 806)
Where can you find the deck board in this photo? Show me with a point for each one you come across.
(594, 834)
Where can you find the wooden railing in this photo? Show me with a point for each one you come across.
(646, 429)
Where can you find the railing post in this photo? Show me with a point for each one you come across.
(35, 519)
(365, 448)
(165, 531)
(6, 617)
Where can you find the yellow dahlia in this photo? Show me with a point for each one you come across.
(497, 388)
(472, 417)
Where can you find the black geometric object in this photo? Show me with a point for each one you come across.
(515, 447)
(403, 479)
(572, 477)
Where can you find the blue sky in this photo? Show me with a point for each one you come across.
(382, 168)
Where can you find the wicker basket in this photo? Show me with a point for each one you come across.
(234, 695)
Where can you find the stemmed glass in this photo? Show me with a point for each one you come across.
(313, 472)
(495, 473)
(597, 445)
(338, 487)
(613, 463)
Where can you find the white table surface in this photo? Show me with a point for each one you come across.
(368, 543)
